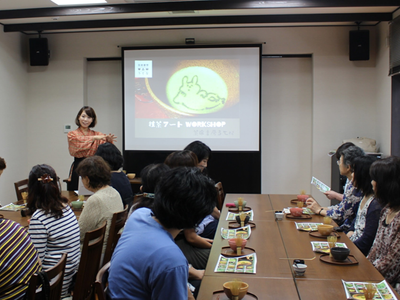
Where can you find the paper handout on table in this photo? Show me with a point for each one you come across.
(323, 247)
(354, 290)
(240, 264)
(307, 226)
(12, 207)
(320, 185)
(306, 211)
(232, 216)
(232, 233)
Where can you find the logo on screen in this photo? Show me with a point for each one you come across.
(143, 69)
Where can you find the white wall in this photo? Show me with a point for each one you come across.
(344, 93)
(13, 113)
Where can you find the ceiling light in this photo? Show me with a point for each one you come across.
(74, 2)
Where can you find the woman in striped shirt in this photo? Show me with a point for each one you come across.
(53, 228)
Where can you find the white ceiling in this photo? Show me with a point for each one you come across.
(274, 8)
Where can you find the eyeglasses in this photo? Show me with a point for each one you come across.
(338, 162)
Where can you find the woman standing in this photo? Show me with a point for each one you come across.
(53, 227)
(385, 252)
(83, 142)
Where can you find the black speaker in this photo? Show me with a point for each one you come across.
(39, 52)
(359, 45)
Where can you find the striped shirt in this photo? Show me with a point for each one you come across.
(81, 144)
(18, 260)
(52, 237)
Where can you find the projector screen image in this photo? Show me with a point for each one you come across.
(173, 96)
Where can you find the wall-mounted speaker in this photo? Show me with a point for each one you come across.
(39, 52)
(359, 45)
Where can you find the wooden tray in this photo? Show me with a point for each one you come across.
(350, 260)
(289, 216)
(294, 201)
(227, 251)
(236, 210)
(220, 295)
(318, 235)
(234, 224)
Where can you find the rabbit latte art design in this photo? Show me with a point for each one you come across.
(197, 90)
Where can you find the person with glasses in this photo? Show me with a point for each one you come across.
(344, 212)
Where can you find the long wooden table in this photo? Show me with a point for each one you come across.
(16, 215)
(276, 244)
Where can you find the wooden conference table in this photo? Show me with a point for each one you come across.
(16, 215)
(276, 244)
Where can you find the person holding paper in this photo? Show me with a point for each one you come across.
(332, 195)
(344, 212)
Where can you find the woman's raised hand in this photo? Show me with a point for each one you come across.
(110, 138)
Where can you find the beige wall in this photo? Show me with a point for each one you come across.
(13, 114)
(346, 95)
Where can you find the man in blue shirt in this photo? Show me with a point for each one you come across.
(147, 264)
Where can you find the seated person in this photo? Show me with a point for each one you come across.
(51, 216)
(150, 176)
(110, 153)
(363, 230)
(105, 201)
(18, 260)
(18, 257)
(385, 252)
(203, 153)
(332, 195)
(195, 247)
(146, 263)
(345, 212)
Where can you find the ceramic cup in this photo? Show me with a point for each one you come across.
(299, 269)
(279, 215)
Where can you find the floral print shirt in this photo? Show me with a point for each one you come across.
(345, 212)
(385, 252)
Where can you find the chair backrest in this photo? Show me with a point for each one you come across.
(89, 264)
(100, 286)
(55, 275)
(117, 222)
(21, 186)
(221, 195)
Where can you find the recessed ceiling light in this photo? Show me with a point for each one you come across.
(71, 2)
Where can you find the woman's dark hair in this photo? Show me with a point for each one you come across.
(183, 158)
(342, 147)
(183, 198)
(111, 154)
(150, 176)
(2, 164)
(386, 173)
(350, 154)
(201, 150)
(96, 169)
(90, 112)
(361, 177)
(44, 192)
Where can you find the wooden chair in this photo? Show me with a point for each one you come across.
(117, 222)
(21, 186)
(221, 195)
(100, 285)
(89, 264)
(55, 275)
